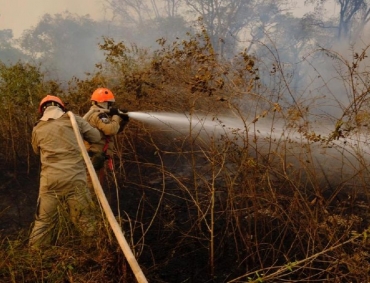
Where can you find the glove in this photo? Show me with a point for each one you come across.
(98, 160)
(124, 117)
(113, 111)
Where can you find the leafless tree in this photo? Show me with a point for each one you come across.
(352, 17)
(137, 12)
(225, 19)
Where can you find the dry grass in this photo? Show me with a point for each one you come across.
(249, 204)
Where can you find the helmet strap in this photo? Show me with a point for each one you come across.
(102, 105)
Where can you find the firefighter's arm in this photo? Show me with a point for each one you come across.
(108, 126)
(34, 143)
(88, 132)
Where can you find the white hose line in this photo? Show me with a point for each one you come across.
(107, 209)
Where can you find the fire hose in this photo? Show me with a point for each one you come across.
(87, 115)
(107, 209)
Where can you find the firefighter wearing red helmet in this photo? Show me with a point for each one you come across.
(63, 176)
(109, 123)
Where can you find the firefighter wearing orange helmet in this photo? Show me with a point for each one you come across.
(63, 176)
(109, 123)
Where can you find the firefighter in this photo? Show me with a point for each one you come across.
(109, 123)
(63, 172)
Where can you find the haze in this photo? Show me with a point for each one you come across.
(19, 15)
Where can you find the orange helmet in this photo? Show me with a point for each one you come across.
(102, 95)
(50, 98)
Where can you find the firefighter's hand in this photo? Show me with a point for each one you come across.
(113, 111)
(124, 115)
(98, 160)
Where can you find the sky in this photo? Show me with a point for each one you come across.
(19, 15)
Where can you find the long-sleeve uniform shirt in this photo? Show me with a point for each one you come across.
(108, 126)
(61, 158)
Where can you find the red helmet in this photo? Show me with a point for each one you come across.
(102, 95)
(50, 98)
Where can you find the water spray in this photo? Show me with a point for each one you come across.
(269, 131)
(331, 161)
(178, 122)
(340, 161)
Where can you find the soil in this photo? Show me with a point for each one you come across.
(18, 199)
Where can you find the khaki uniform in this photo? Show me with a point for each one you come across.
(103, 150)
(63, 176)
(108, 127)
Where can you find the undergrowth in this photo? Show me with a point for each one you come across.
(268, 197)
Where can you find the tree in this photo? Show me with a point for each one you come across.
(224, 20)
(9, 53)
(22, 86)
(352, 17)
(138, 12)
(66, 44)
(147, 21)
(347, 13)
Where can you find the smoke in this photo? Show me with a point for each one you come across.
(305, 69)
